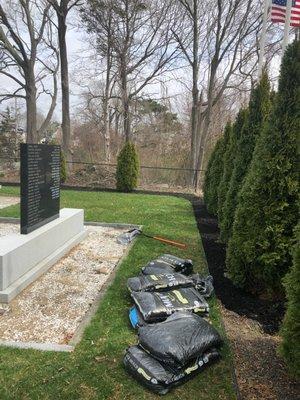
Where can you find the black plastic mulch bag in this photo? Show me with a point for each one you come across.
(158, 282)
(157, 267)
(157, 306)
(204, 284)
(156, 376)
(163, 282)
(180, 264)
(168, 264)
(182, 338)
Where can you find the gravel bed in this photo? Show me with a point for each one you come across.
(7, 229)
(51, 308)
(6, 201)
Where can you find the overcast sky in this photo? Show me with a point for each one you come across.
(78, 44)
(78, 53)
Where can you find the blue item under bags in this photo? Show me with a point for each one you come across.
(136, 318)
(133, 316)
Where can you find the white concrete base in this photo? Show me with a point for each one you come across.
(23, 258)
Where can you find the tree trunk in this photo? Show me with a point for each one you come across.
(207, 120)
(195, 92)
(126, 115)
(64, 71)
(117, 117)
(203, 133)
(125, 103)
(106, 132)
(31, 124)
(194, 123)
(49, 115)
(106, 115)
(106, 129)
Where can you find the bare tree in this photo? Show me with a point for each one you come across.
(108, 86)
(26, 35)
(219, 40)
(141, 43)
(103, 46)
(62, 9)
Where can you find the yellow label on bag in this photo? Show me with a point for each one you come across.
(199, 309)
(191, 369)
(142, 372)
(180, 297)
(154, 278)
(161, 286)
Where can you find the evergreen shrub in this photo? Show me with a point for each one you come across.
(127, 168)
(258, 254)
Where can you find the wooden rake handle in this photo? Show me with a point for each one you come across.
(171, 242)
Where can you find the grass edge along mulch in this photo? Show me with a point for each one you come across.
(95, 370)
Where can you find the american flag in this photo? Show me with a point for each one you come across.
(278, 12)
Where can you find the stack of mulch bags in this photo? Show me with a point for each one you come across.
(175, 340)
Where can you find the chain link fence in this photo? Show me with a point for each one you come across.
(102, 175)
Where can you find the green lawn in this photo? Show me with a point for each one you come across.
(94, 370)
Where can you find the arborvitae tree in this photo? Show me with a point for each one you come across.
(208, 181)
(259, 110)
(215, 171)
(228, 164)
(258, 253)
(127, 168)
(290, 331)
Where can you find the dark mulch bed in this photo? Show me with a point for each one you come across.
(268, 313)
(250, 323)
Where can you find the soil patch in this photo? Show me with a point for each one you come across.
(261, 374)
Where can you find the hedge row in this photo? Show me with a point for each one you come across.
(259, 110)
(215, 171)
(231, 153)
(258, 198)
(256, 182)
(258, 253)
(290, 331)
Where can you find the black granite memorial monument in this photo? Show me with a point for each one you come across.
(40, 183)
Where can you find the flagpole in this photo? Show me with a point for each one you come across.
(262, 42)
(287, 24)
